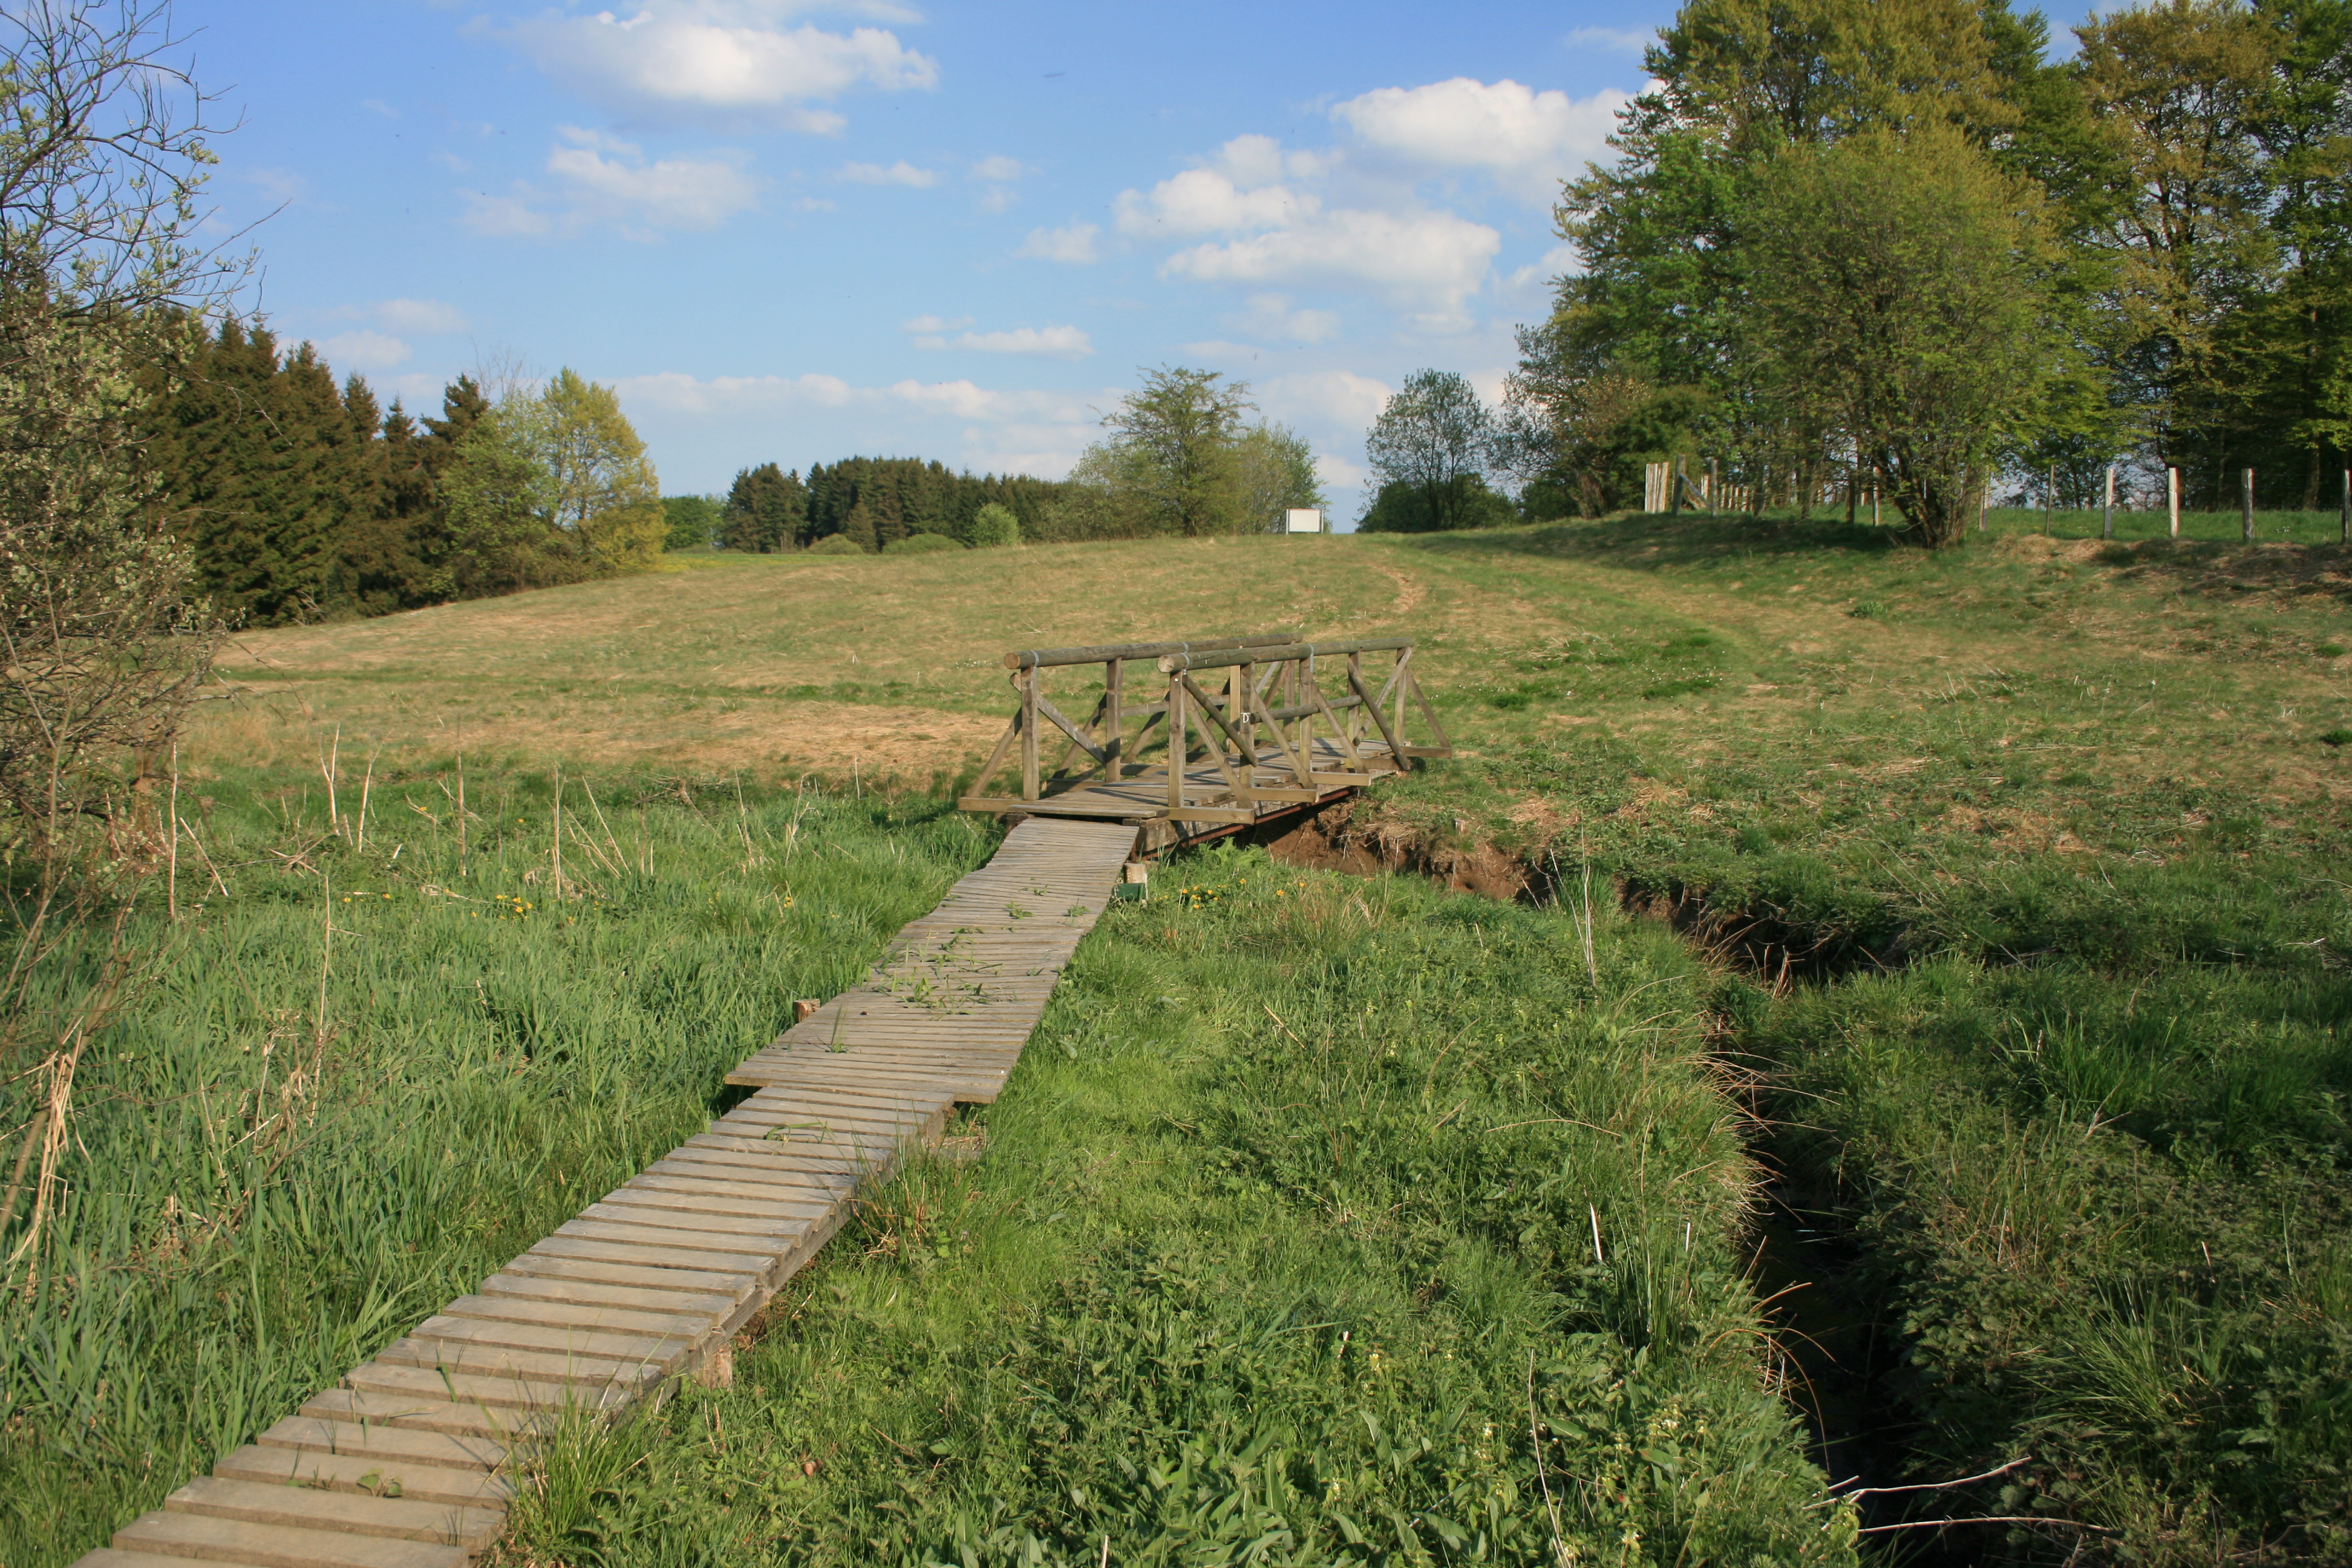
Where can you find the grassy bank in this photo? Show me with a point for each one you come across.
(2037, 855)
(297, 1142)
(1312, 1203)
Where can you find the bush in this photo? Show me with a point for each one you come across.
(1402, 508)
(993, 525)
(920, 545)
(836, 544)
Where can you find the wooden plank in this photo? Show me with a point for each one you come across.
(170, 1534)
(490, 1395)
(507, 1362)
(385, 1445)
(671, 1296)
(365, 1472)
(576, 1317)
(551, 1339)
(352, 1512)
(379, 1411)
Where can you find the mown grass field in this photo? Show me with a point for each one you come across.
(2012, 884)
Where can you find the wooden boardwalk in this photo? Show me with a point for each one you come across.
(409, 1460)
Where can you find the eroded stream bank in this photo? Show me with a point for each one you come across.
(1811, 1268)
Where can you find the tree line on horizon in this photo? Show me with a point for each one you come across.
(1179, 457)
(1852, 244)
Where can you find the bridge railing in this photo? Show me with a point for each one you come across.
(1281, 720)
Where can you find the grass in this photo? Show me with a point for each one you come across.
(290, 1151)
(1309, 1200)
(2018, 873)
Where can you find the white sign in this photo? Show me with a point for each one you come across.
(1302, 520)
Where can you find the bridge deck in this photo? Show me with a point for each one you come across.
(1211, 803)
(408, 1461)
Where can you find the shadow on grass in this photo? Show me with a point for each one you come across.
(1651, 541)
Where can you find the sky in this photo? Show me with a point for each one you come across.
(795, 232)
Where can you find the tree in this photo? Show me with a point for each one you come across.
(1434, 436)
(766, 510)
(103, 154)
(601, 495)
(1898, 294)
(2181, 89)
(1173, 449)
(1274, 471)
(992, 527)
(692, 521)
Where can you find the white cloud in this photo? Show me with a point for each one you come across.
(999, 170)
(674, 392)
(1559, 260)
(1527, 141)
(1074, 244)
(1270, 316)
(733, 59)
(364, 350)
(901, 172)
(1340, 473)
(419, 316)
(639, 198)
(1208, 201)
(1047, 343)
(1433, 259)
(1331, 398)
(934, 324)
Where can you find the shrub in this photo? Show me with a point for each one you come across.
(1401, 507)
(920, 545)
(994, 525)
(836, 544)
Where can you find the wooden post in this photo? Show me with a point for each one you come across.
(2246, 507)
(1029, 734)
(1984, 503)
(2107, 516)
(1712, 486)
(1114, 679)
(1873, 495)
(1179, 741)
(1355, 714)
(2172, 499)
(2344, 519)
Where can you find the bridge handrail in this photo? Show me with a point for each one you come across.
(1261, 653)
(1047, 657)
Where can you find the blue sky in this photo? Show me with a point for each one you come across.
(793, 232)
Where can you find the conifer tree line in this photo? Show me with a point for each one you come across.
(302, 499)
(1178, 456)
(1898, 243)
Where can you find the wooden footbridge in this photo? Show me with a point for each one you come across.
(1245, 729)
(409, 1461)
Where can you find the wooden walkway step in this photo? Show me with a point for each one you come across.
(409, 1460)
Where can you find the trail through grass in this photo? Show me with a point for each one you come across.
(1323, 1221)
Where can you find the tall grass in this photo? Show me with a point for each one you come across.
(362, 1079)
(1318, 1216)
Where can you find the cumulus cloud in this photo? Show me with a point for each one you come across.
(999, 170)
(934, 324)
(601, 180)
(1073, 244)
(1527, 141)
(1208, 201)
(1335, 398)
(901, 172)
(730, 59)
(1559, 260)
(1046, 342)
(364, 350)
(1434, 258)
(1270, 316)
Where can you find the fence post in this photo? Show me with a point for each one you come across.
(1029, 781)
(2172, 499)
(2247, 505)
(2344, 519)
(2107, 516)
(1115, 711)
(1711, 485)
